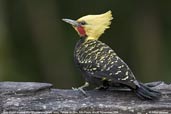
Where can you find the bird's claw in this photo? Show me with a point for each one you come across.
(79, 89)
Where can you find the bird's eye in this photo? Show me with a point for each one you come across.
(83, 23)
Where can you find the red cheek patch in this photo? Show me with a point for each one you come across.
(81, 31)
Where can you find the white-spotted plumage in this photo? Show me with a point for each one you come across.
(99, 61)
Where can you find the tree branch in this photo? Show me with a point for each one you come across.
(32, 97)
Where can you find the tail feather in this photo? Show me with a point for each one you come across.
(144, 92)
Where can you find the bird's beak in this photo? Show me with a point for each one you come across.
(72, 22)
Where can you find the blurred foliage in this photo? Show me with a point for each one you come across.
(35, 45)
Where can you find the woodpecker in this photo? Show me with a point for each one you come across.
(99, 63)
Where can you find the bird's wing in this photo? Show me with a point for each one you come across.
(105, 64)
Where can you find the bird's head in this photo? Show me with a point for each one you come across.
(91, 26)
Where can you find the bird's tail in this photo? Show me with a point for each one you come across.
(146, 93)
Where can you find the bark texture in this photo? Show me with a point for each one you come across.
(32, 97)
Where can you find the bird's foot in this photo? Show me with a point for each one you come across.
(81, 89)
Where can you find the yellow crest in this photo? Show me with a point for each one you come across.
(96, 24)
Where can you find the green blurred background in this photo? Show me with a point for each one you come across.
(35, 45)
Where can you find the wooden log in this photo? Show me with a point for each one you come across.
(42, 98)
